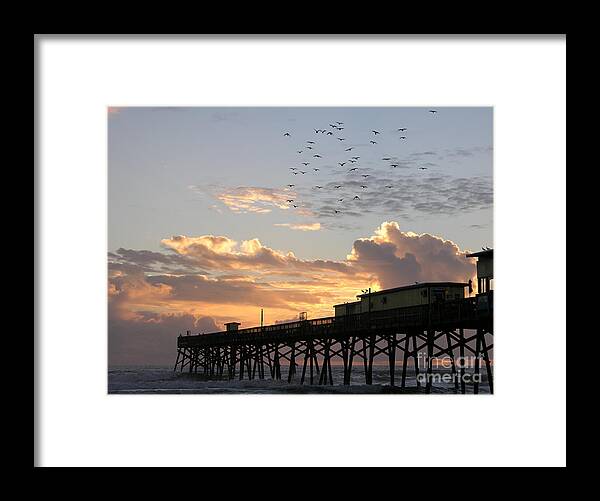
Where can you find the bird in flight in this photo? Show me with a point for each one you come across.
(291, 185)
(341, 139)
(422, 168)
(342, 164)
(352, 161)
(353, 168)
(310, 142)
(338, 186)
(355, 158)
(375, 132)
(287, 134)
(336, 211)
(318, 187)
(305, 163)
(290, 200)
(329, 133)
(302, 172)
(386, 158)
(363, 187)
(293, 168)
(432, 111)
(356, 197)
(402, 137)
(340, 123)
(295, 173)
(389, 186)
(299, 151)
(394, 165)
(317, 155)
(295, 206)
(365, 175)
(309, 147)
(315, 169)
(341, 200)
(350, 149)
(402, 129)
(373, 142)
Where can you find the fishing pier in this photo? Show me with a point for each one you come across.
(416, 327)
(305, 350)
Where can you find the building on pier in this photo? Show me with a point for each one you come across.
(485, 278)
(485, 270)
(399, 297)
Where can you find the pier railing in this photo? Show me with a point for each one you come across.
(466, 312)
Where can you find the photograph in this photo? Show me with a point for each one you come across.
(279, 240)
(300, 250)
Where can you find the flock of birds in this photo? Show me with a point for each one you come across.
(334, 129)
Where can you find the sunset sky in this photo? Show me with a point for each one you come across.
(201, 231)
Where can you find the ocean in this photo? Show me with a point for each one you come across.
(163, 380)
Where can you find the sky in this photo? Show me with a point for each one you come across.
(202, 230)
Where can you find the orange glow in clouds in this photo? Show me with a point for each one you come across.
(217, 277)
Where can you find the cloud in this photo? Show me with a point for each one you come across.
(390, 257)
(223, 253)
(468, 152)
(401, 195)
(198, 283)
(184, 245)
(205, 290)
(248, 199)
(422, 154)
(150, 338)
(148, 260)
(399, 258)
(403, 191)
(139, 333)
(300, 226)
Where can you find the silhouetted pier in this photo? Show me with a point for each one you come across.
(454, 331)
